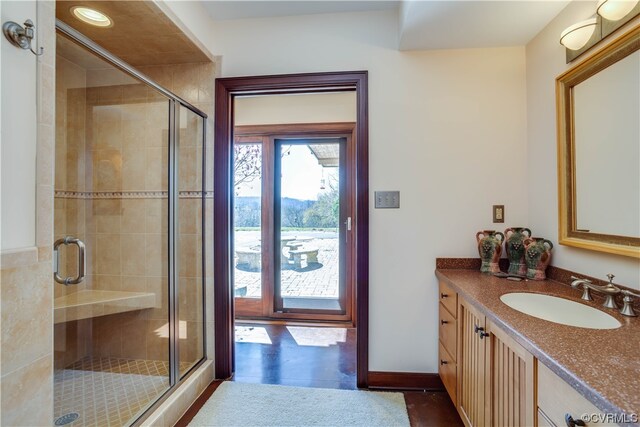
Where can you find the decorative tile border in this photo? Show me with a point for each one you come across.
(91, 195)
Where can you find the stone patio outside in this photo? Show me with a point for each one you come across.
(310, 281)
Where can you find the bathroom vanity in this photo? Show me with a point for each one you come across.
(503, 367)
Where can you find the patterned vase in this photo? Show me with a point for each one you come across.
(514, 246)
(490, 249)
(537, 256)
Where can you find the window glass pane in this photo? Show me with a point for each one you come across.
(309, 226)
(247, 186)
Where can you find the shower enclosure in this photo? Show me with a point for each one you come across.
(129, 225)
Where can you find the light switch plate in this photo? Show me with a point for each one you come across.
(498, 213)
(387, 199)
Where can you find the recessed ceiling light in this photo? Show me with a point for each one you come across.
(91, 16)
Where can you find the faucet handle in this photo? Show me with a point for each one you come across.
(627, 308)
(629, 293)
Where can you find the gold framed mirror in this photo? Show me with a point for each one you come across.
(598, 123)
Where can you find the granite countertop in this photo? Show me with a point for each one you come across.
(602, 365)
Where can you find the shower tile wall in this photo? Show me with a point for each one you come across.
(127, 131)
(113, 138)
(71, 338)
(193, 82)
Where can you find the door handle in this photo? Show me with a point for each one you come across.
(348, 223)
(82, 262)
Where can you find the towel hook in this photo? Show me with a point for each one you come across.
(19, 36)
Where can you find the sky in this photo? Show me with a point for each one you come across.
(301, 176)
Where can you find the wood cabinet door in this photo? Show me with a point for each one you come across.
(472, 388)
(511, 378)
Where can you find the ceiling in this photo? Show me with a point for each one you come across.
(424, 24)
(141, 34)
(221, 10)
(72, 52)
(471, 24)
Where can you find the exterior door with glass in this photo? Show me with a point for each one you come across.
(293, 222)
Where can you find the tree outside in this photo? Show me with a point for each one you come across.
(322, 213)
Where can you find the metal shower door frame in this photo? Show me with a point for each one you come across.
(174, 104)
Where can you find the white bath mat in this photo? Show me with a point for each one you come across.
(243, 404)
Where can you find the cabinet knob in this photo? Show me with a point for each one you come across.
(443, 295)
(444, 322)
(443, 362)
(480, 331)
(573, 423)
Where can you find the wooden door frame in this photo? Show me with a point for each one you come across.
(225, 91)
(268, 134)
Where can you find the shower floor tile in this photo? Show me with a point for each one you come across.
(108, 391)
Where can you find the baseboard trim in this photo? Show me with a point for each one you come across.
(404, 381)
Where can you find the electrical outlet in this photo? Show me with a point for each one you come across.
(387, 199)
(498, 213)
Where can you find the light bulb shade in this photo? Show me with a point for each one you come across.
(91, 16)
(613, 10)
(577, 35)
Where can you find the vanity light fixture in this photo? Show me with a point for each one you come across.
(577, 35)
(610, 16)
(91, 16)
(614, 10)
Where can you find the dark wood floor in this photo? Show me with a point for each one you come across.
(315, 357)
(297, 356)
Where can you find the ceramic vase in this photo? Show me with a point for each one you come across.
(537, 256)
(490, 249)
(514, 246)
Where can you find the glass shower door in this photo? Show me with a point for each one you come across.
(112, 333)
(191, 197)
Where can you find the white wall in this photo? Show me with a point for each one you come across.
(295, 108)
(545, 61)
(192, 18)
(447, 129)
(18, 134)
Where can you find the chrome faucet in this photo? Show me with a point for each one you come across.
(610, 290)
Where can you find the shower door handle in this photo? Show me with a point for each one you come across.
(82, 262)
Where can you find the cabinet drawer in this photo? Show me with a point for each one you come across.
(449, 299)
(556, 398)
(447, 371)
(448, 330)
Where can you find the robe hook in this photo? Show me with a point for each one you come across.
(21, 36)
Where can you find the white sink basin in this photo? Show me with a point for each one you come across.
(560, 310)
